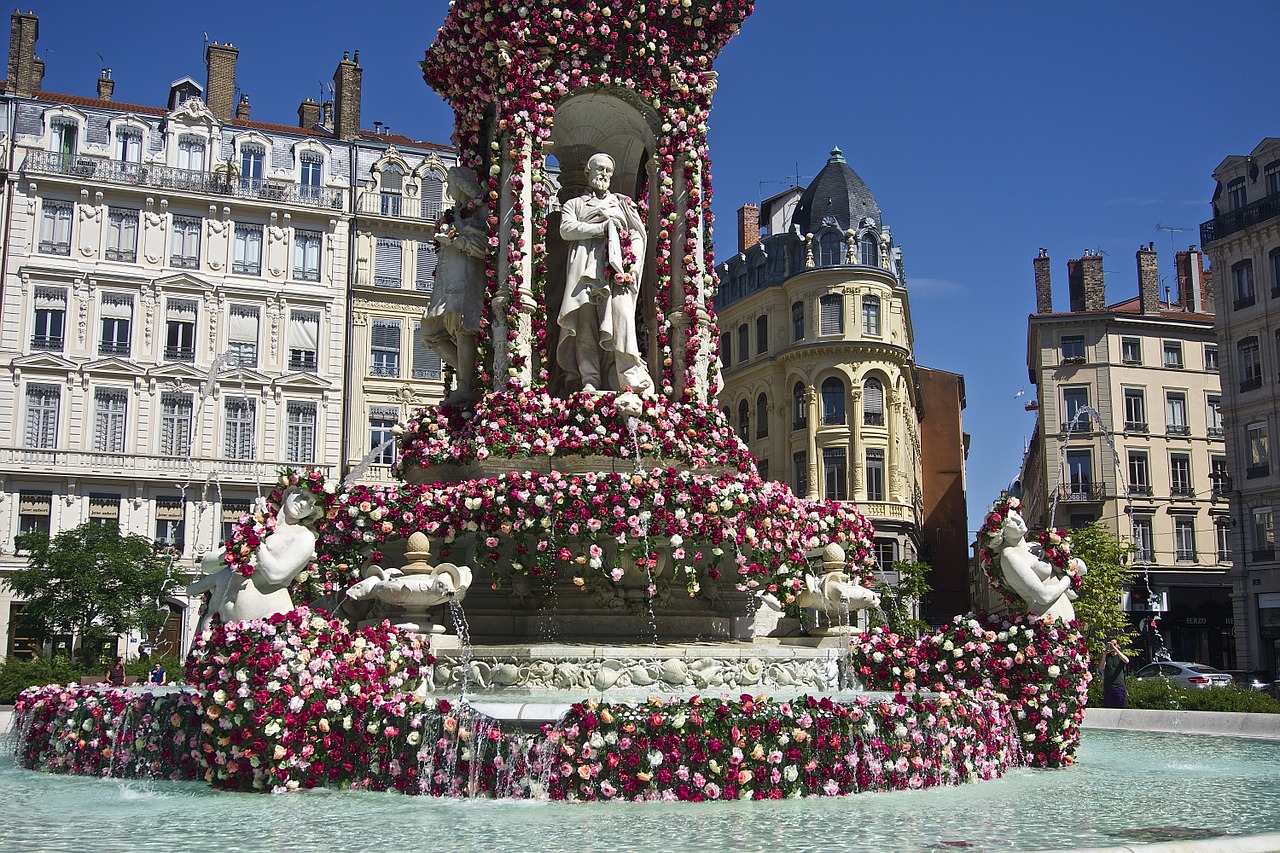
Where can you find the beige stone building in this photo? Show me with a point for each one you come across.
(1130, 432)
(1243, 241)
(816, 348)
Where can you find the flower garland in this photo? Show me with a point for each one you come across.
(1055, 546)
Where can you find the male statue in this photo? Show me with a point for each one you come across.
(599, 347)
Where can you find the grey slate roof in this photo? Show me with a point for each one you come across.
(836, 192)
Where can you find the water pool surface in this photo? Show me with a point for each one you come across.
(1126, 788)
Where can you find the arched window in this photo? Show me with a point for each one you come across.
(797, 320)
(392, 188)
(832, 401)
(830, 249)
(831, 314)
(873, 402)
(869, 249)
(762, 334)
(744, 421)
(762, 416)
(871, 316)
(801, 413)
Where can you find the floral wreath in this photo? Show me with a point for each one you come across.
(1055, 547)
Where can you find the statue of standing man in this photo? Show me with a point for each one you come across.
(599, 346)
(452, 320)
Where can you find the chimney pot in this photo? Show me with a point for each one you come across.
(220, 88)
(1148, 280)
(1044, 290)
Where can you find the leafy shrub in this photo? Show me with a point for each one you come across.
(17, 674)
(1161, 694)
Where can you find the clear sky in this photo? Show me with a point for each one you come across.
(986, 130)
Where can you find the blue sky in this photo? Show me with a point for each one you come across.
(985, 130)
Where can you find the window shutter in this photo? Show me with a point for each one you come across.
(388, 263)
(432, 196)
(426, 363)
(386, 334)
(426, 275)
(873, 397)
(831, 309)
(109, 420)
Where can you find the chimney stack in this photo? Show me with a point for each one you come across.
(748, 226)
(346, 108)
(1192, 287)
(220, 82)
(1148, 280)
(105, 85)
(1084, 279)
(242, 108)
(1044, 292)
(25, 71)
(308, 113)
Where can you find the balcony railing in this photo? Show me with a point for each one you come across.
(1142, 489)
(302, 360)
(1073, 426)
(1237, 220)
(389, 370)
(46, 342)
(1264, 554)
(1136, 426)
(121, 465)
(113, 348)
(180, 353)
(1082, 491)
(1178, 429)
(168, 177)
(397, 207)
(1215, 432)
(1251, 383)
(873, 418)
(1253, 472)
(1183, 491)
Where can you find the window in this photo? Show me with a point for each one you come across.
(248, 250)
(41, 428)
(424, 277)
(1264, 543)
(170, 525)
(1131, 350)
(835, 474)
(832, 402)
(1213, 415)
(116, 311)
(1139, 473)
(1143, 547)
(875, 474)
(831, 314)
(232, 512)
(55, 228)
(1237, 197)
(1242, 282)
(1211, 359)
(800, 469)
(50, 319)
(1080, 474)
(426, 362)
(1180, 475)
(1219, 479)
(744, 421)
(1175, 413)
(242, 335)
(129, 145)
(869, 249)
(726, 348)
(1249, 355)
(762, 416)
(432, 196)
(238, 441)
(1274, 257)
(797, 321)
(122, 235)
(1074, 401)
(251, 160)
(184, 245)
(873, 402)
(762, 334)
(104, 508)
(34, 511)
(310, 174)
(1222, 539)
(388, 265)
(1259, 451)
(830, 249)
(1173, 354)
(381, 438)
(191, 153)
(65, 132)
(762, 466)
(109, 420)
(1184, 538)
(800, 405)
(300, 432)
(180, 330)
(386, 348)
(744, 345)
(871, 316)
(304, 340)
(306, 255)
(1135, 410)
(392, 187)
(175, 424)
(1073, 349)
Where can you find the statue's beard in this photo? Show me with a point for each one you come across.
(600, 185)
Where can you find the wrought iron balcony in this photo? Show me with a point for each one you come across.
(1251, 383)
(873, 418)
(304, 360)
(113, 348)
(386, 370)
(1136, 426)
(1261, 555)
(169, 177)
(1142, 489)
(1237, 220)
(1182, 491)
(1081, 426)
(1178, 429)
(1253, 472)
(397, 206)
(180, 353)
(47, 342)
(1082, 491)
(1215, 432)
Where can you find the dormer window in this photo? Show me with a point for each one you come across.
(1237, 195)
(128, 145)
(65, 135)
(830, 249)
(311, 175)
(191, 153)
(392, 189)
(869, 249)
(252, 158)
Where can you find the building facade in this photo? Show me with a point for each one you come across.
(1130, 432)
(819, 371)
(193, 299)
(1243, 241)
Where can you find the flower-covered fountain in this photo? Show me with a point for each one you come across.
(630, 547)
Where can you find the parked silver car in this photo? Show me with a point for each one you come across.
(1185, 673)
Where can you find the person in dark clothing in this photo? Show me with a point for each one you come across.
(115, 674)
(1114, 694)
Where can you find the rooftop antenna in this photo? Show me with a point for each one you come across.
(796, 180)
(102, 63)
(1173, 230)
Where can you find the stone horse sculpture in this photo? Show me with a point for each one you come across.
(279, 559)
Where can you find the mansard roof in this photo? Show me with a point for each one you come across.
(836, 195)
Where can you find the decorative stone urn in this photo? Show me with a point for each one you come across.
(835, 593)
(406, 596)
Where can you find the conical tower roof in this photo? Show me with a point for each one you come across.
(839, 193)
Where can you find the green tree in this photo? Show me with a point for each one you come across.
(1098, 607)
(93, 582)
(898, 600)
